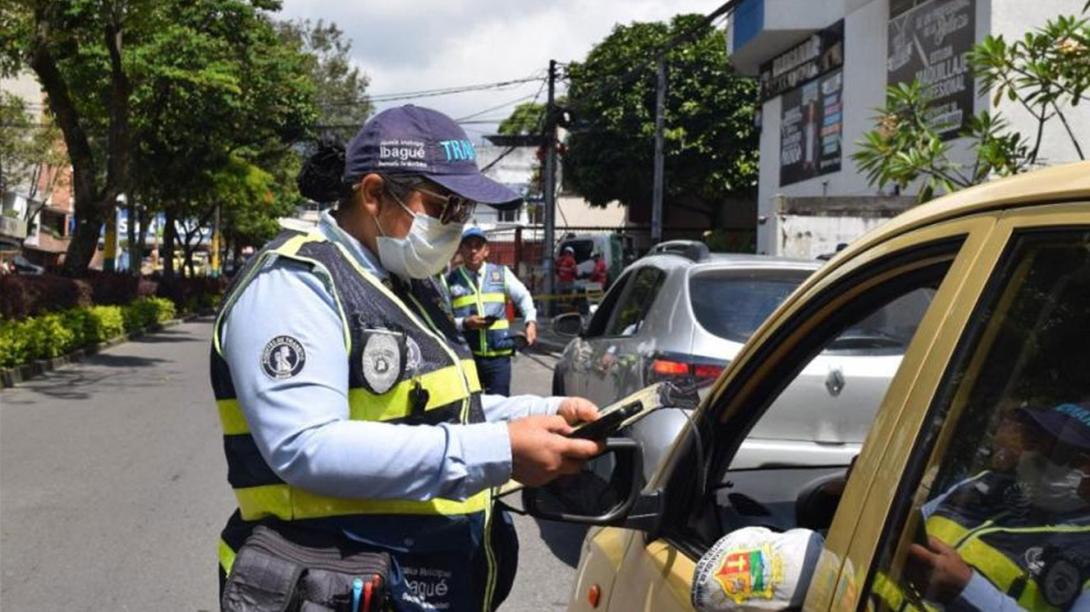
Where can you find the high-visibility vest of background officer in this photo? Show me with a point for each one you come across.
(1016, 539)
(350, 408)
(479, 291)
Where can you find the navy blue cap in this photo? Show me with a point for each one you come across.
(1068, 423)
(412, 140)
(473, 232)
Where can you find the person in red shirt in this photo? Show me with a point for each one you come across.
(566, 271)
(600, 273)
(566, 267)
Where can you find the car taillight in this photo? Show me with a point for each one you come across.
(707, 371)
(677, 370)
(667, 368)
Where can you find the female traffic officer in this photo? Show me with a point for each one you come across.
(348, 404)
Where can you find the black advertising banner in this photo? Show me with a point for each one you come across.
(822, 52)
(811, 125)
(931, 41)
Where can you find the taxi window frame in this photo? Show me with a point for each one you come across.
(680, 515)
(923, 446)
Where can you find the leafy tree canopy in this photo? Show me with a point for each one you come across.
(525, 119)
(341, 87)
(711, 143)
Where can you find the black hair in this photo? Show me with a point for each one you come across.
(320, 178)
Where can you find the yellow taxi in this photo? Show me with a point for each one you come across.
(972, 489)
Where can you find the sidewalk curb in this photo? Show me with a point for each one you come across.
(9, 377)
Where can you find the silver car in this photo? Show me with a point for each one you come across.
(682, 314)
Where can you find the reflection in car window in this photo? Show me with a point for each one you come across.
(732, 303)
(889, 329)
(634, 303)
(1001, 516)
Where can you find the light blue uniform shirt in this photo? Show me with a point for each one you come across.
(301, 425)
(514, 289)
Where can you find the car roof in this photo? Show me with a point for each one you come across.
(729, 260)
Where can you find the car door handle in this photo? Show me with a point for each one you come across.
(834, 382)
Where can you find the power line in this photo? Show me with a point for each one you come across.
(429, 93)
(540, 125)
(497, 107)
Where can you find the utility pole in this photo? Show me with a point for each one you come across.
(660, 116)
(550, 186)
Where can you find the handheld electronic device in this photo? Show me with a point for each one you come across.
(490, 320)
(608, 423)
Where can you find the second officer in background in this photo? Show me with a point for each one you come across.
(478, 294)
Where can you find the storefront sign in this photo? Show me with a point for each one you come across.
(930, 41)
(818, 54)
(810, 129)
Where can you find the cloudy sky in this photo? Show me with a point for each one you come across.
(413, 45)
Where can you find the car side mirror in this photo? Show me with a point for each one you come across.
(605, 492)
(569, 324)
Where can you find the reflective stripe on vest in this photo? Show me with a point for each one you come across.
(490, 299)
(991, 562)
(447, 373)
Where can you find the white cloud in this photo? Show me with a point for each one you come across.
(426, 44)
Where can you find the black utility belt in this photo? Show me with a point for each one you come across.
(284, 570)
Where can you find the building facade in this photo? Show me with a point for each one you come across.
(823, 68)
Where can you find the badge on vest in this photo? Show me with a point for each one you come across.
(1062, 582)
(496, 277)
(283, 357)
(383, 359)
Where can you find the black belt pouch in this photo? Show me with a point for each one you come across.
(284, 570)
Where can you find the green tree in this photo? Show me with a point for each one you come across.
(77, 49)
(1047, 73)
(525, 119)
(710, 140)
(341, 87)
(221, 99)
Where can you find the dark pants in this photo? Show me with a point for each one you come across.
(495, 374)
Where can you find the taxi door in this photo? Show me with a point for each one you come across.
(1014, 338)
(702, 505)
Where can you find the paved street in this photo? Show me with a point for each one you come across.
(113, 473)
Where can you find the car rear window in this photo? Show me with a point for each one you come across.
(732, 304)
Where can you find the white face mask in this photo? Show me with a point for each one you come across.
(1051, 486)
(424, 251)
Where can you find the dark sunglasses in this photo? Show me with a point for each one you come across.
(456, 209)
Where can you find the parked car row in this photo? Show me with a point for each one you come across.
(894, 401)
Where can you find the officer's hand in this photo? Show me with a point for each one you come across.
(540, 452)
(937, 570)
(474, 322)
(578, 410)
(531, 333)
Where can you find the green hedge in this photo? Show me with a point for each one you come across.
(58, 333)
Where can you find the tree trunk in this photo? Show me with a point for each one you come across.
(167, 252)
(91, 203)
(142, 240)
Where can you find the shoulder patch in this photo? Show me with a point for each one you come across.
(283, 357)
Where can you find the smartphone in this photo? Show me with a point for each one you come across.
(490, 320)
(607, 424)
